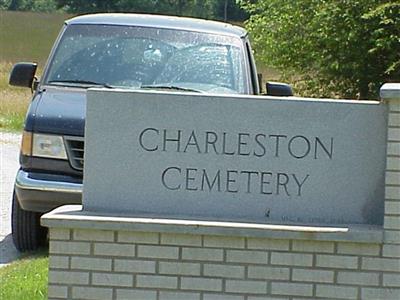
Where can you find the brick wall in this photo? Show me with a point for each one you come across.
(392, 190)
(102, 264)
(92, 259)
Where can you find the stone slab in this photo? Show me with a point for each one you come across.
(73, 216)
(234, 158)
(390, 91)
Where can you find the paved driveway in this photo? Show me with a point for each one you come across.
(9, 152)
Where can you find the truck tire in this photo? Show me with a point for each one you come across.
(27, 233)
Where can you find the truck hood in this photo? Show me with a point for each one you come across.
(61, 111)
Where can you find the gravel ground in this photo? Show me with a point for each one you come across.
(9, 153)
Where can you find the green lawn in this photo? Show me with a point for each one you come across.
(28, 36)
(13, 101)
(24, 36)
(25, 279)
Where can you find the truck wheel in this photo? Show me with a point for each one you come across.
(27, 233)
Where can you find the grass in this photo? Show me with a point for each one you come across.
(13, 101)
(28, 36)
(24, 36)
(25, 278)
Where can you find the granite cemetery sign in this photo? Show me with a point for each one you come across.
(253, 159)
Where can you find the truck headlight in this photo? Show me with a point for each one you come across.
(50, 146)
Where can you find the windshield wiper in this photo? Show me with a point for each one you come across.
(82, 82)
(170, 87)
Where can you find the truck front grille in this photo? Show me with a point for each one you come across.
(75, 150)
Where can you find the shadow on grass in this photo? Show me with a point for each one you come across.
(9, 254)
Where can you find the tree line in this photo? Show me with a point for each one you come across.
(228, 10)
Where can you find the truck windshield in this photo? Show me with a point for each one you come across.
(135, 57)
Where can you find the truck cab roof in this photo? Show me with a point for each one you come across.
(159, 21)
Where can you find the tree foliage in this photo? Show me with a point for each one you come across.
(208, 9)
(28, 5)
(211, 9)
(344, 48)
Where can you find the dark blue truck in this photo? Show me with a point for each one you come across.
(113, 51)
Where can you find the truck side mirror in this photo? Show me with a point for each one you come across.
(278, 89)
(23, 74)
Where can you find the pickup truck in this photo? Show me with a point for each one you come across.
(129, 51)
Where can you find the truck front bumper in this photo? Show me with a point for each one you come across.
(44, 192)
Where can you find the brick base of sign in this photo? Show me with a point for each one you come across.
(108, 257)
(182, 261)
